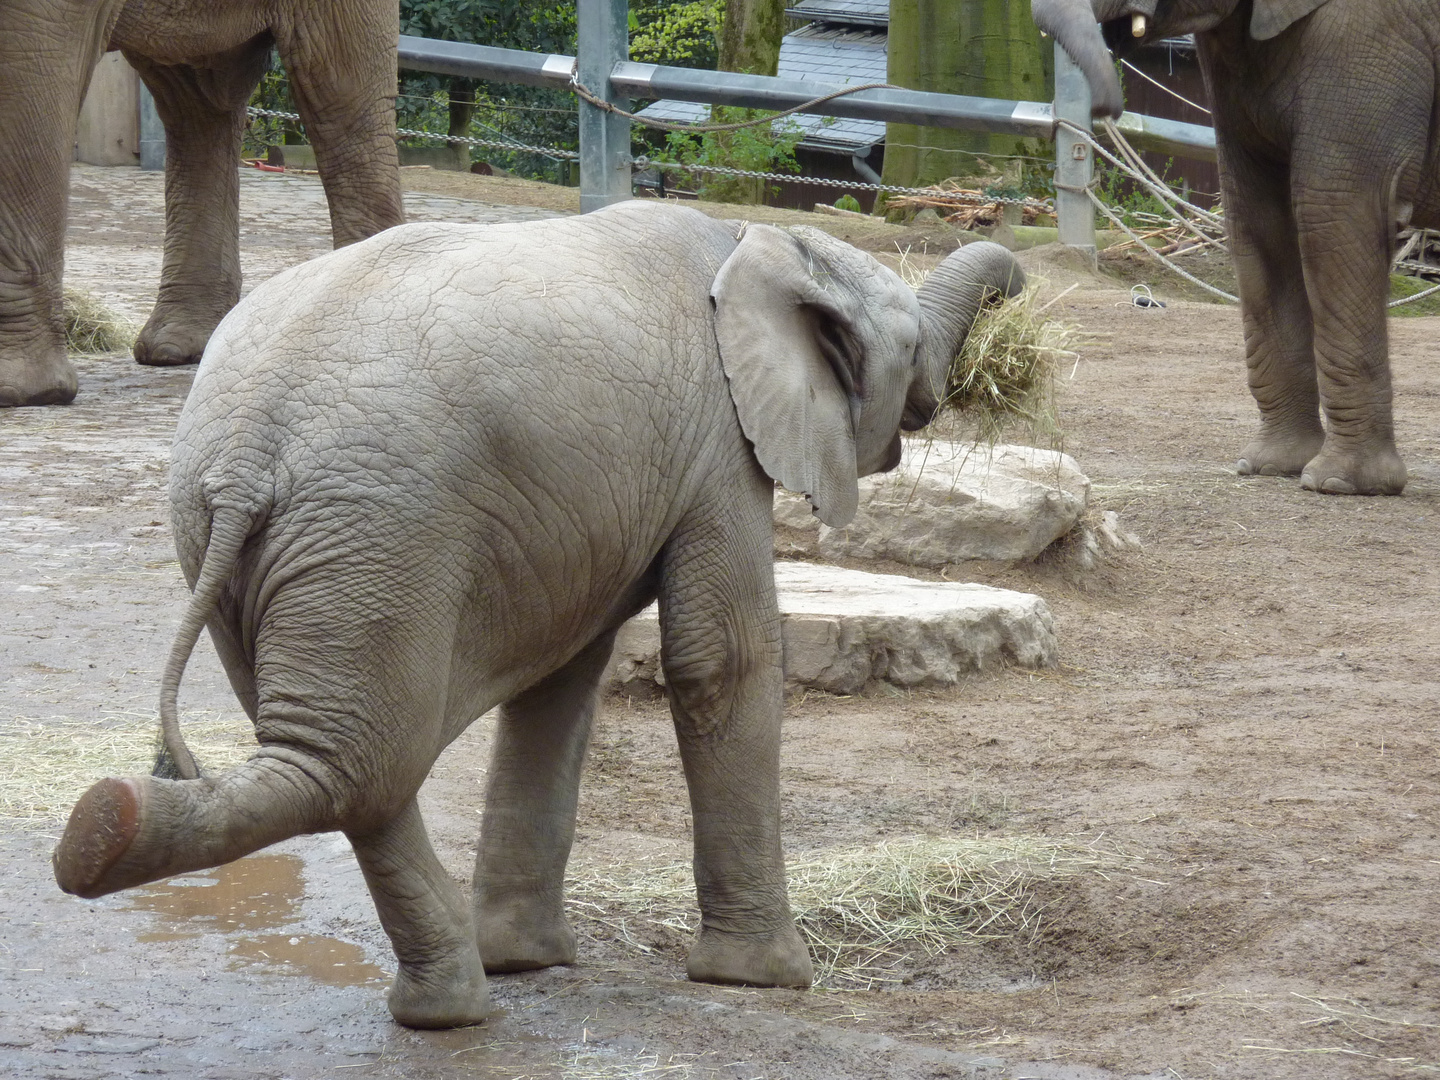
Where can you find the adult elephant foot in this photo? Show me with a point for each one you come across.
(522, 935)
(170, 342)
(768, 959)
(1339, 470)
(448, 993)
(26, 381)
(1277, 451)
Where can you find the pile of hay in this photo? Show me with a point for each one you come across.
(93, 327)
(864, 911)
(47, 763)
(1004, 375)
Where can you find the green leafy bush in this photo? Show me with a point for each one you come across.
(763, 148)
(678, 34)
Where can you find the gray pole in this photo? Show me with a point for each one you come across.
(604, 41)
(152, 134)
(1074, 163)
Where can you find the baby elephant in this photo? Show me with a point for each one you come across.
(435, 471)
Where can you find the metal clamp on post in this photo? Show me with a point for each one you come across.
(604, 41)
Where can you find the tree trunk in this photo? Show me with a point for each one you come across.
(462, 111)
(985, 48)
(750, 38)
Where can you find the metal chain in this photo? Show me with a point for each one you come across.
(643, 162)
(497, 144)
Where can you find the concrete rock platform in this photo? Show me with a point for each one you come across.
(844, 629)
(947, 502)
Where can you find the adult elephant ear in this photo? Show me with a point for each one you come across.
(1272, 17)
(813, 338)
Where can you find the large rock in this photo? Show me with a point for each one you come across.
(843, 629)
(947, 502)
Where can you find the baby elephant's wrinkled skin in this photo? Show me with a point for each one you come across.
(433, 473)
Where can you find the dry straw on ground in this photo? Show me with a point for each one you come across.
(866, 911)
(91, 326)
(46, 763)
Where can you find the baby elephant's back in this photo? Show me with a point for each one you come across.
(460, 357)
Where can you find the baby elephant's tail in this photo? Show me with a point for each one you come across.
(230, 527)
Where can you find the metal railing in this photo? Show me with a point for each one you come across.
(604, 70)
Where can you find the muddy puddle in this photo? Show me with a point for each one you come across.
(256, 903)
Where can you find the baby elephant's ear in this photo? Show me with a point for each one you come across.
(787, 346)
(1273, 17)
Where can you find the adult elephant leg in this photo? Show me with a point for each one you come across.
(1345, 239)
(1275, 314)
(529, 821)
(47, 51)
(720, 644)
(203, 109)
(341, 62)
(440, 982)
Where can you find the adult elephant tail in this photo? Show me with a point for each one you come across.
(230, 527)
(950, 298)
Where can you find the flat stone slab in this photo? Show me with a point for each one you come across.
(844, 628)
(947, 502)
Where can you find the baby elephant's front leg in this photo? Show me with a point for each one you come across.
(720, 632)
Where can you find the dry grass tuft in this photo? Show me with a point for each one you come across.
(46, 763)
(1004, 375)
(91, 326)
(863, 911)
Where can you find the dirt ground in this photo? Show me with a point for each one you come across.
(1245, 715)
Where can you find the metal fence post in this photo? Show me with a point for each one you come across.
(152, 134)
(604, 41)
(1074, 163)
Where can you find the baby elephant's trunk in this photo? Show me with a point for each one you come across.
(951, 297)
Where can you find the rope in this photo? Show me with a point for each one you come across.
(586, 94)
(1137, 164)
(1411, 299)
(1120, 224)
(1167, 89)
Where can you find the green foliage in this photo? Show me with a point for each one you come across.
(848, 202)
(680, 34)
(763, 148)
(1132, 201)
(265, 131)
(540, 116)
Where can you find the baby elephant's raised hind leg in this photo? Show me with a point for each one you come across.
(127, 831)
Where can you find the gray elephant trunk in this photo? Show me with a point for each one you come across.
(1075, 25)
(950, 298)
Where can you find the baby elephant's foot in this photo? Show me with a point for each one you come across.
(521, 936)
(773, 959)
(1279, 453)
(90, 859)
(1370, 471)
(445, 994)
